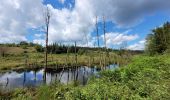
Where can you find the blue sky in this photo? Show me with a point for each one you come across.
(141, 29)
(58, 4)
(73, 19)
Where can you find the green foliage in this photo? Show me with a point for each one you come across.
(24, 47)
(112, 75)
(61, 48)
(39, 48)
(44, 93)
(81, 51)
(159, 40)
(23, 43)
(145, 78)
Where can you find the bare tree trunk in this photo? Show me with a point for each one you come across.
(52, 56)
(75, 53)
(97, 33)
(47, 21)
(67, 58)
(46, 49)
(105, 48)
(98, 42)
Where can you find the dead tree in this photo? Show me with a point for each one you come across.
(47, 17)
(67, 58)
(97, 33)
(47, 22)
(75, 54)
(105, 48)
(98, 42)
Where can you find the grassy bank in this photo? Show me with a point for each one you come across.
(144, 78)
(17, 57)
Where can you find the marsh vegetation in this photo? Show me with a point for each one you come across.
(138, 74)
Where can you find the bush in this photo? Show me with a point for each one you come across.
(24, 47)
(39, 48)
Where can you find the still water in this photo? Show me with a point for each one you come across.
(32, 78)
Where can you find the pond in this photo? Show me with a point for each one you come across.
(32, 78)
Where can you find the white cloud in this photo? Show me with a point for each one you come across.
(137, 46)
(112, 39)
(126, 13)
(118, 38)
(39, 41)
(67, 25)
(17, 16)
(8, 38)
(39, 35)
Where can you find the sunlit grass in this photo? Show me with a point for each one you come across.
(144, 78)
(18, 58)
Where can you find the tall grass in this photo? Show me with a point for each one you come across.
(145, 78)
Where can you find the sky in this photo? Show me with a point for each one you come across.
(127, 21)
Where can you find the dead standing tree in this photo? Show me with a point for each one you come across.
(75, 52)
(97, 33)
(47, 22)
(47, 17)
(105, 48)
(98, 42)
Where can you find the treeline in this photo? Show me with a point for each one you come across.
(56, 48)
(158, 41)
(20, 44)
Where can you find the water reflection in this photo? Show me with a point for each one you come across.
(32, 78)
